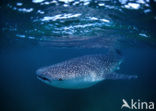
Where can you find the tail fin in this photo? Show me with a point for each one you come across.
(116, 76)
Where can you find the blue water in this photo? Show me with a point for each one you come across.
(36, 34)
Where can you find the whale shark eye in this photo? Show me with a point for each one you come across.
(60, 79)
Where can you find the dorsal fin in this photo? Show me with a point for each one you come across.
(118, 51)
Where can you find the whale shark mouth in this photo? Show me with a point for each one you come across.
(43, 78)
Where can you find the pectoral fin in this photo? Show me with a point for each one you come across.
(116, 76)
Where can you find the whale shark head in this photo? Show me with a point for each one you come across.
(59, 77)
(51, 75)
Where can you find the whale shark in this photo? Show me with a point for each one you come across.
(83, 72)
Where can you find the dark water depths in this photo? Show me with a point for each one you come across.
(40, 33)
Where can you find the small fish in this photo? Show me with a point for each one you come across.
(82, 72)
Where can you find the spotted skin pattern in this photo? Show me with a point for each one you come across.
(81, 72)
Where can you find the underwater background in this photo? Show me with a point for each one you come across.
(37, 33)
